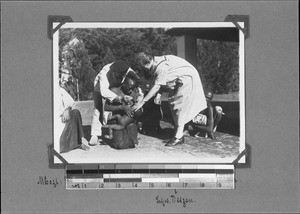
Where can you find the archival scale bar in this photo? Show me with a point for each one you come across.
(150, 177)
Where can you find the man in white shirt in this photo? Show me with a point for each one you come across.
(111, 76)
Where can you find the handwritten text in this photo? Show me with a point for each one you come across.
(44, 181)
(174, 199)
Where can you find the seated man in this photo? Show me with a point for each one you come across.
(111, 76)
(208, 119)
(124, 132)
(72, 136)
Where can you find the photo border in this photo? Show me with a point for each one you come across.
(243, 147)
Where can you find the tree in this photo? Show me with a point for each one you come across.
(218, 65)
(101, 46)
(78, 62)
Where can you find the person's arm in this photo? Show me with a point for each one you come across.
(139, 94)
(65, 116)
(151, 93)
(210, 121)
(114, 108)
(104, 88)
(66, 105)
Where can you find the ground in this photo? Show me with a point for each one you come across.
(152, 149)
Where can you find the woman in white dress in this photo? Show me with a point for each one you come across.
(186, 95)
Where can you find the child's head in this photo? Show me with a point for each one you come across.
(209, 95)
(128, 100)
(128, 85)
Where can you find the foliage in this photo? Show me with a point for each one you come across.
(105, 45)
(218, 65)
(78, 62)
(217, 61)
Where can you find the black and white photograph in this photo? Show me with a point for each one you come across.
(148, 92)
(149, 106)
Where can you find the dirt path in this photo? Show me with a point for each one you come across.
(152, 149)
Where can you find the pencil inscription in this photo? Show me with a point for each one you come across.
(174, 199)
(44, 181)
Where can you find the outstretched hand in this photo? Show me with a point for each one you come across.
(157, 99)
(138, 105)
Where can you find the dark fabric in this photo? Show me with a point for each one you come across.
(116, 73)
(119, 67)
(151, 116)
(98, 101)
(126, 138)
(114, 81)
(72, 133)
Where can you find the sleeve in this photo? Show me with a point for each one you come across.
(66, 100)
(104, 88)
(161, 76)
(139, 94)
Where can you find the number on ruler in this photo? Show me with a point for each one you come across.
(79, 185)
(76, 185)
(185, 184)
(118, 185)
(202, 184)
(134, 185)
(101, 185)
(168, 184)
(151, 184)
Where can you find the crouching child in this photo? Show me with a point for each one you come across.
(207, 120)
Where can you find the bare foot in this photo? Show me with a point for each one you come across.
(93, 140)
(211, 135)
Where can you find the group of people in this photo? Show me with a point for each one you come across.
(119, 101)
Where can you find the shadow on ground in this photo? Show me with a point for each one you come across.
(152, 147)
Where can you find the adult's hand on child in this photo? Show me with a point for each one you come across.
(117, 100)
(128, 110)
(138, 105)
(157, 99)
(65, 117)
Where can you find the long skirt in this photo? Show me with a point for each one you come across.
(71, 137)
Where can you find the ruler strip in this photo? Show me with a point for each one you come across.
(138, 176)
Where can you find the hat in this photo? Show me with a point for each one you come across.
(119, 67)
